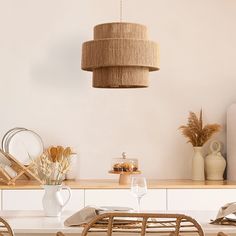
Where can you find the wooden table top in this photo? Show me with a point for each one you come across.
(113, 184)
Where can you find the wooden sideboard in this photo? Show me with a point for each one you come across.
(173, 195)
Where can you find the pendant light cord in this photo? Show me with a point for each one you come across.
(121, 10)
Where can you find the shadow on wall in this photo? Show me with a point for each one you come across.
(59, 64)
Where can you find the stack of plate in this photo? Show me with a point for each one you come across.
(231, 217)
(116, 208)
(23, 144)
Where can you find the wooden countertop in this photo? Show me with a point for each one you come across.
(113, 184)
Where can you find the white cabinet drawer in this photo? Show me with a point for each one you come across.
(155, 199)
(32, 199)
(77, 199)
(22, 199)
(199, 199)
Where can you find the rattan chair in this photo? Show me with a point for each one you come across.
(142, 224)
(5, 228)
(60, 234)
(222, 234)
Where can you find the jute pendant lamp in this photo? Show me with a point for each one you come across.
(120, 56)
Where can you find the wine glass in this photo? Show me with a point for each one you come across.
(138, 188)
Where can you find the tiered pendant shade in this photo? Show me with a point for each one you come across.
(120, 56)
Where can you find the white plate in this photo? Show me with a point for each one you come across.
(25, 145)
(115, 208)
(7, 136)
(231, 217)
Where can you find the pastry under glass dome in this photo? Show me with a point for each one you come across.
(124, 164)
(125, 167)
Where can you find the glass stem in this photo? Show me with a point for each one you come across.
(139, 200)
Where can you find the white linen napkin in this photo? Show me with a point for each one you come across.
(229, 208)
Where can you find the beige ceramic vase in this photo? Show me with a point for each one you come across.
(215, 163)
(198, 164)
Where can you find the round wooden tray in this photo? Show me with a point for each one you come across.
(125, 177)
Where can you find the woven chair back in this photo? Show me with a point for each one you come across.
(5, 228)
(143, 224)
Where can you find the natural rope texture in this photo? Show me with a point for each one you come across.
(136, 53)
(120, 56)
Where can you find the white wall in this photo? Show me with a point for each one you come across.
(44, 89)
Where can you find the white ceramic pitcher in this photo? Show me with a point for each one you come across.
(53, 203)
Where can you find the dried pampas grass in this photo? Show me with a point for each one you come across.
(53, 164)
(195, 132)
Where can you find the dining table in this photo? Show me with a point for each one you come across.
(35, 223)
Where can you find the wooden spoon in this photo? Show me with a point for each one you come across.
(67, 152)
(53, 153)
(60, 151)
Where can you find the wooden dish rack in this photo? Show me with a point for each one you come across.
(20, 169)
